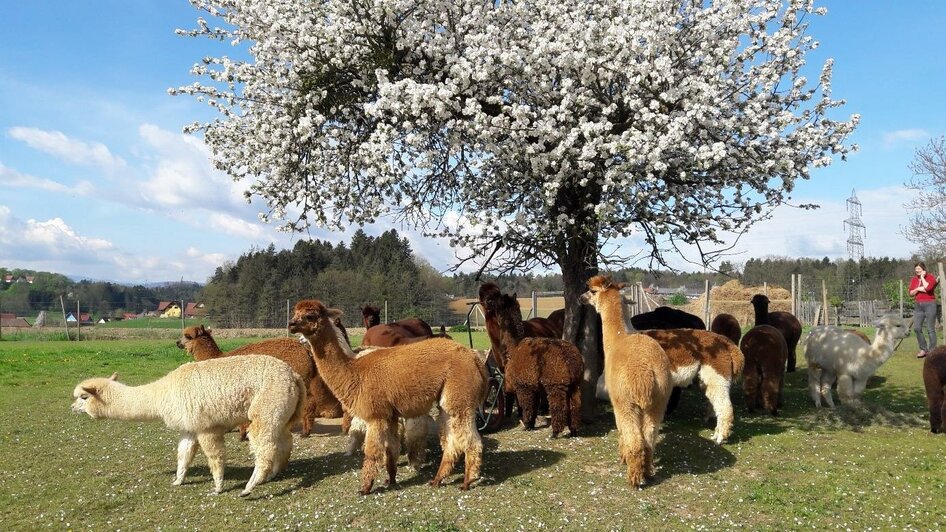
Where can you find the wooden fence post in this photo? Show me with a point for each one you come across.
(824, 300)
(706, 304)
(900, 297)
(794, 306)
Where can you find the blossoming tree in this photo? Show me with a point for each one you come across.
(530, 132)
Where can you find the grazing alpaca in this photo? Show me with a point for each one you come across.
(764, 375)
(785, 322)
(667, 318)
(934, 379)
(637, 373)
(834, 354)
(728, 326)
(203, 400)
(714, 358)
(399, 332)
(200, 344)
(547, 364)
(403, 381)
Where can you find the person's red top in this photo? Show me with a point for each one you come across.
(927, 296)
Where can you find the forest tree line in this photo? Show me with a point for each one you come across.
(253, 291)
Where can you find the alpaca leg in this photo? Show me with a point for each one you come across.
(356, 434)
(346, 421)
(308, 417)
(846, 389)
(814, 384)
(718, 396)
(527, 398)
(650, 429)
(938, 422)
(574, 410)
(469, 440)
(827, 379)
(631, 445)
(212, 445)
(558, 408)
(374, 455)
(392, 449)
(283, 450)
(751, 382)
(186, 449)
(415, 439)
(448, 440)
(266, 450)
(771, 384)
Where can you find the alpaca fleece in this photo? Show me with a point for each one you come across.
(204, 400)
(714, 358)
(540, 364)
(934, 379)
(785, 322)
(638, 376)
(728, 326)
(765, 351)
(837, 355)
(403, 381)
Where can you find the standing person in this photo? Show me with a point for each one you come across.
(922, 287)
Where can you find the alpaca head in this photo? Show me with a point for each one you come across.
(893, 326)
(370, 315)
(311, 316)
(598, 285)
(509, 314)
(186, 341)
(91, 397)
(760, 301)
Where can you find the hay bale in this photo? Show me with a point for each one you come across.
(733, 298)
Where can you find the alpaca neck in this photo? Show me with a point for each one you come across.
(761, 314)
(132, 403)
(612, 319)
(880, 351)
(205, 348)
(511, 332)
(334, 359)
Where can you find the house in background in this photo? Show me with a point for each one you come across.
(129, 316)
(84, 318)
(195, 310)
(8, 320)
(169, 309)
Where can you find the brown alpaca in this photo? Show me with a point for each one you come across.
(548, 364)
(765, 350)
(199, 343)
(714, 358)
(400, 332)
(557, 319)
(405, 381)
(667, 318)
(637, 374)
(728, 326)
(934, 379)
(785, 322)
(533, 328)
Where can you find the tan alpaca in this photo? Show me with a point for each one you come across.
(204, 400)
(401, 381)
(637, 374)
(198, 341)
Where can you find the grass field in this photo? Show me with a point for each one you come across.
(875, 467)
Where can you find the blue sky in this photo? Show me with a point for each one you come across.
(97, 180)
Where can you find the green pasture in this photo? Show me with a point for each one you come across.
(873, 467)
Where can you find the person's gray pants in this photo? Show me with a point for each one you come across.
(925, 313)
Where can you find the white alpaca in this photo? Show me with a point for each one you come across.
(834, 354)
(204, 400)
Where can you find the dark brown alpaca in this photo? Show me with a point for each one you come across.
(667, 318)
(785, 322)
(765, 350)
(728, 326)
(400, 332)
(540, 364)
(557, 319)
(934, 379)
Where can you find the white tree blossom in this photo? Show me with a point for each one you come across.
(927, 226)
(541, 128)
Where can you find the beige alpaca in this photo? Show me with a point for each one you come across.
(402, 381)
(198, 341)
(204, 400)
(637, 374)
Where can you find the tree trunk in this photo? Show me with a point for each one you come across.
(582, 324)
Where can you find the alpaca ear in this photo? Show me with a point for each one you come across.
(91, 391)
(114, 377)
(334, 313)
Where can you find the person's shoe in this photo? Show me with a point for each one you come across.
(921, 354)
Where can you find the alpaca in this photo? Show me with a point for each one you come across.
(666, 318)
(714, 358)
(763, 377)
(728, 326)
(785, 322)
(198, 341)
(934, 379)
(834, 354)
(203, 400)
(401, 381)
(637, 373)
(557, 319)
(399, 332)
(489, 294)
(535, 364)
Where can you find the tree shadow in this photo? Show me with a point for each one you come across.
(683, 453)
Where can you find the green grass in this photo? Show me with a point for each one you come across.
(851, 468)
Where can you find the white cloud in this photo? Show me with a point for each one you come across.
(11, 178)
(72, 150)
(904, 135)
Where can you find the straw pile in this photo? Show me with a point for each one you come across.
(733, 298)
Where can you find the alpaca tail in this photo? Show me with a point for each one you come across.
(738, 361)
(301, 391)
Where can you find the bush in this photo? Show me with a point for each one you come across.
(460, 328)
(677, 300)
